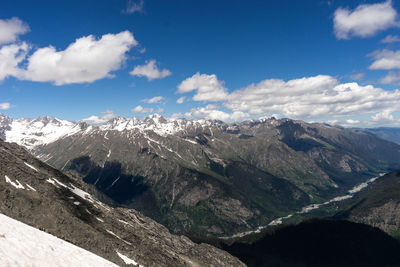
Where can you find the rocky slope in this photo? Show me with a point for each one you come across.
(378, 205)
(208, 176)
(36, 194)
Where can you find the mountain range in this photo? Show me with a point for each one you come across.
(38, 195)
(207, 176)
(388, 133)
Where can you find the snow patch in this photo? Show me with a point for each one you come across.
(128, 260)
(112, 233)
(30, 187)
(30, 166)
(17, 185)
(23, 245)
(51, 181)
(81, 193)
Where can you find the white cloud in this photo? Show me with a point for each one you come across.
(207, 87)
(86, 60)
(134, 6)
(141, 110)
(180, 100)
(150, 71)
(357, 76)
(332, 122)
(177, 116)
(391, 78)
(304, 98)
(383, 116)
(10, 57)
(347, 122)
(311, 97)
(321, 98)
(351, 121)
(154, 100)
(391, 39)
(385, 60)
(10, 29)
(366, 20)
(5, 106)
(97, 120)
(211, 113)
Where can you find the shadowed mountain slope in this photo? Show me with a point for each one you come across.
(38, 195)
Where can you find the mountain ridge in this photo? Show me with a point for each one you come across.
(36, 194)
(236, 176)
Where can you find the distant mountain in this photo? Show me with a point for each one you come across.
(63, 206)
(208, 176)
(378, 205)
(387, 133)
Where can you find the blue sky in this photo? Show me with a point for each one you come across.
(333, 61)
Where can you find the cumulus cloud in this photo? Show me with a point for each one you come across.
(391, 78)
(180, 100)
(311, 97)
(98, 120)
(134, 6)
(150, 71)
(142, 110)
(351, 121)
(383, 116)
(10, 57)
(385, 60)
(5, 106)
(207, 87)
(211, 112)
(364, 21)
(86, 60)
(10, 29)
(154, 100)
(306, 98)
(391, 39)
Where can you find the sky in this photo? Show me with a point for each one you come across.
(319, 61)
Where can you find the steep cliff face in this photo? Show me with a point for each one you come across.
(36, 194)
(208, 176)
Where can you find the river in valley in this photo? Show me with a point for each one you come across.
(308, 208)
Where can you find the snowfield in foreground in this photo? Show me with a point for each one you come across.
(23, 245)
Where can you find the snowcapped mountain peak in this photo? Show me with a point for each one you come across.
(32, 133)
(116, 123)
(4, 117)
(155, 116)
(35, 132)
